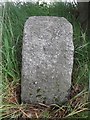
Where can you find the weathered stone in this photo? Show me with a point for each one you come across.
(47, 60)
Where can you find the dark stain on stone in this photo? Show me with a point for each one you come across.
(38, 90)
(39, 95)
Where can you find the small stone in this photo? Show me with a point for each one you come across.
(47, 60)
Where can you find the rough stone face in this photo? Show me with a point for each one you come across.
(47, 60)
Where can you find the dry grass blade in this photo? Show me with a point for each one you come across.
(44, 105)
(76, 112)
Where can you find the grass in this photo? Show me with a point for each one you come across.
(14, 17)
